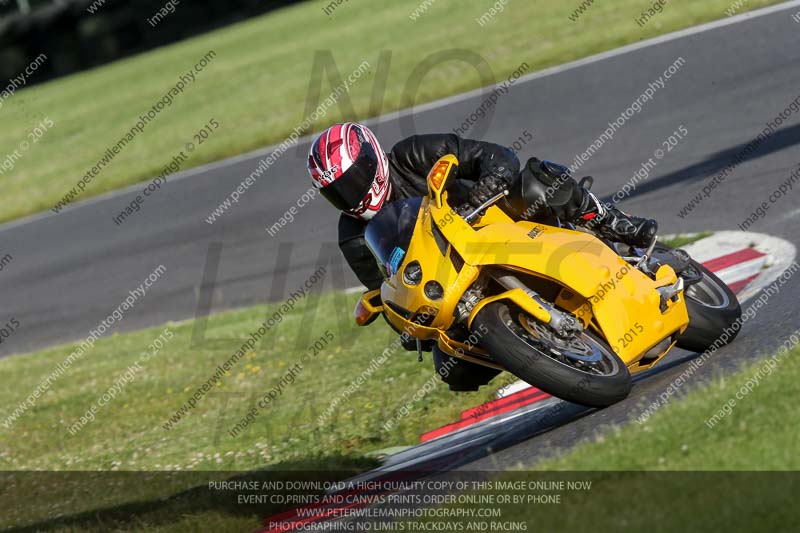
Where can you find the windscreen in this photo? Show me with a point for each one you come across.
(389, 233)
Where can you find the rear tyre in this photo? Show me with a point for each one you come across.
(582, 370)
(712, 308)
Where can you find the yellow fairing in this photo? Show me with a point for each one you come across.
(435, 266)
(606, 293)
(623, 303)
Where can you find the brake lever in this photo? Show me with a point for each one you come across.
(647, 253)
(485, 205)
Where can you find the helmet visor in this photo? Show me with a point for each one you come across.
(352, 187)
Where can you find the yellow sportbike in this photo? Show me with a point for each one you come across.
(557, 307)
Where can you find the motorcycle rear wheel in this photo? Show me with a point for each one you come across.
(712, 309)
(582, 370)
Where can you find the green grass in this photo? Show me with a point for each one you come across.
(127, 434)
(257, 85)
(679, 240)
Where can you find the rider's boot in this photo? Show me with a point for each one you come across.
(548, 184)
(613, 224)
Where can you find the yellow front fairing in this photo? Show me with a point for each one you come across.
(437, 263)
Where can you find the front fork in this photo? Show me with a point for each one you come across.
(564, 324)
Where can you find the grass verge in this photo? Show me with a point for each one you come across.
(128, 433)
(676, 241)
(256, 86)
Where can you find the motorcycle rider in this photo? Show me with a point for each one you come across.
(351, 170)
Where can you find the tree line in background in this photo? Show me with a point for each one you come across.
(79, 34)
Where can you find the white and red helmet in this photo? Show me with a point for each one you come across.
(350, 169)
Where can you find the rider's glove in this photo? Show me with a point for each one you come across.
(490, 186)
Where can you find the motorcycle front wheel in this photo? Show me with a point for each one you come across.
(581, 369)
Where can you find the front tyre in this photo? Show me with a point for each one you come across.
(581, 369)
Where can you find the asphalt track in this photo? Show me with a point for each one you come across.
(69, 271)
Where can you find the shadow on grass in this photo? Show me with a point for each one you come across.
(153, 498)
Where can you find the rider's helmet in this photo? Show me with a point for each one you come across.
(350, 169)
